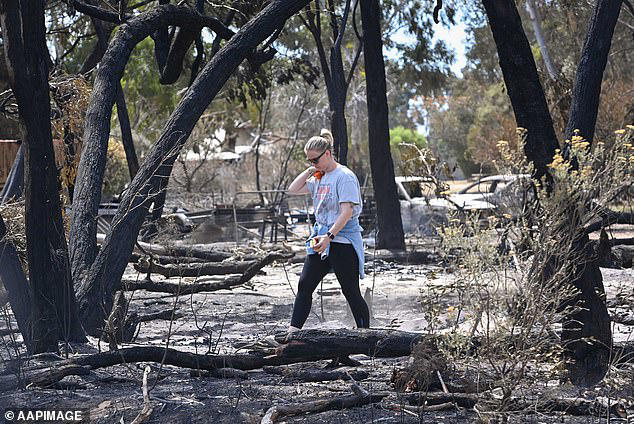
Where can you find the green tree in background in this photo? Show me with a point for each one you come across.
(402, 142)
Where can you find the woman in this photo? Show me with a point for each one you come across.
(335, 242)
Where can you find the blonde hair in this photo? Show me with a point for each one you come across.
(321, 142)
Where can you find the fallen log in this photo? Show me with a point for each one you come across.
(316, 375)
(166, 260)
(417, 410)
(210, 252)
(42, 378)
(378, 342)
(181, 288)
(463, 400)
(221, 373)
(344, 342)
(171, 260)
(48, 375)
(197, 287)
(163, 315)
(193, 269)
(621, 242)
(342, 402)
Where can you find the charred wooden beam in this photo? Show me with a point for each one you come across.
(343, 342)
(194, 269)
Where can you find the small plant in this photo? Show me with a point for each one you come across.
(512, 273)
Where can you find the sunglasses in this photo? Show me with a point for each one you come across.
(315, 160)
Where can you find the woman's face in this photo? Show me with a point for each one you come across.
(317, 159)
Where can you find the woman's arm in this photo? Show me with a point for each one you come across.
(298, 186)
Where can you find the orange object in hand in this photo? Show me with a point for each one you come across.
(319, 174)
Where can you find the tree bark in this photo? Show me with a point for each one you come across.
(594, 56)
(522, 83)
(99, 286)
(83, 246)
(181, 42)
(586, 332)
(126, 133)
(54, 313)
(390, 234)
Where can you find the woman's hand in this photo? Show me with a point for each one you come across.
(322, 243)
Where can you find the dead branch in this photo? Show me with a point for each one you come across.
(315, 375)
(167, 260)
(189, 288)
(209, 252)
(147, 406)
(463, 400)
(194, 269)
(164, 315)
(40, 378)
(349, 401)
(221, 373)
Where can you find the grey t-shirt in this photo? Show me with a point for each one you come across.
(337, 186)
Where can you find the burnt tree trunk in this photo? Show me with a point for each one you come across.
(103, 277)
(83, 245)
(338, 123)
(126, 133)
(587, 334)
(594, 56)
(390, 234)
(589, 344)
(53, 313)
(522, 83)
(15, 282)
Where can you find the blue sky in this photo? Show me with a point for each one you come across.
(455, 37)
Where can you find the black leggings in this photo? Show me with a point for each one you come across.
(343, 259)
